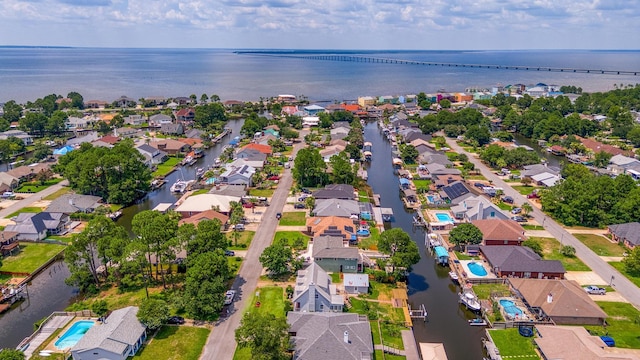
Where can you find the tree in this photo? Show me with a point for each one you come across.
(204, 98)
(153, 313)
(408, 153)
(207, 238)
(466, 233)
(309, 168)
(209, 114)
(12, 111)
(41, 151)
(526, 208)
(277, 258)
(342, 171)
(568, 251)
(479, 134)
(77, 101)
(402, 249)
(265, 334)
(100, 308)
(533, 245)
(601, 159)
(445, 104)
(205, 285)
(12, 354)
(632, 262)
(157, 232)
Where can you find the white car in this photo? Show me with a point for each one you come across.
(229, 296)
(594, 290)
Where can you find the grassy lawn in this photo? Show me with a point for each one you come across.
(262, 192)
(116, 299)
(335, 278)
(476, 177)
(271, 301)
(28, 209)
(622, 323)
(57, 194)
(200, 191)
(291, 237)
(244, 240)
(64, 239)
(512, 344)
(601, 245)
(371, 242)
(36, 186)
(294, 218)
(524, 190)
(379, 355)
(391, 320)
(532, 227)
(175, 343)
(463, 256)
(234, 264)
(551, 251)
(485, 290)
(504, 206)
(31, 257)
(166, 167)
(620, 267)
(421, 184)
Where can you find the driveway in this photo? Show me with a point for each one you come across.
(31, 199)
(609, 274)
(221, 344)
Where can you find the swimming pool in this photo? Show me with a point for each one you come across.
(431, 199)
(477, 269)
(444, 217)
(510, 308)
(73, 334)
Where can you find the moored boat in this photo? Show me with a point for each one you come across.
(478, 322)
(453, 276)
(114, 215)
(179, 187)
(470, 300)
(199, 172)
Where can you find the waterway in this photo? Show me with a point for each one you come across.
(49, 293)
(552, 160)
(429, 283)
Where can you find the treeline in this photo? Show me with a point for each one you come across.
(586, 199)
(499, 157)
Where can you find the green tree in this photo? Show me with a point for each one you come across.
(208, 114)
(42, 151)
(402, 249)
(342, 171)
(153, 313)
(601, 159)
(634, 136)
(533, 245)
(408, 153)
(11, 354)
(632, 262)
(205, 285)
(157, 231)
(466, 233)
(77, 101)
(445, 104)
(34, 123)
(568, 251)
(479, 134)
(100, 308)
(309, 168)
(12, 111)
(526, 208)
(265, 334)
(208, 237)
(277, 258)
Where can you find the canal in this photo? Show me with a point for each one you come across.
(49, 293)
(429, 283)
(552, 160)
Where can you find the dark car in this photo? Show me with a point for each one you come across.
(519, 218)
(303, 198)
(479, 185)
(229, 253)
(176, 320)
(507, 199)
(278, 216)
(299, 206)
(306, 191)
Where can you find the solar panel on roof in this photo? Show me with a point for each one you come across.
(455, 190)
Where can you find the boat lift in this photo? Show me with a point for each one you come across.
(419, 313)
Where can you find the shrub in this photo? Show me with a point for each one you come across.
(568, 251)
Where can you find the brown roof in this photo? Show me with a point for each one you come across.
(167, 144)
(23, 171)
(498, 229)
(319, 225)
(575, 343)
(265, 149)
(109, 139)
(568, 299)
(191, 141)
(205, 215)
(7, 235)
(185, 112)
(387, 107)
(597, 146)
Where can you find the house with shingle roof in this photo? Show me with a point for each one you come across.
(159, 119)
(520, 261)
(185, 115)
(324, 336)
(500, 231)
(26, 138)
(627, 234)
(265, 149)
(335, 191)
(28, 172)
(172, 129)
(8, 182)
(238, 175)
(477, 208)
(314, 291)
(333, 254)
(576, 343)
(72, 203)
(333, 226)
(206, 215)
(337, 207)
(120, 336)
(36, 226)
(564, 301)
(170, 146)
(152, 155)
(203, 202)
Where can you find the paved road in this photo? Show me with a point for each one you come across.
(32, 199)
(609, 274)
(221, 344)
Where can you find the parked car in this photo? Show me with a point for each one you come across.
(299, 206)
(229, 253)
(507, 199)
(238, 227)
(516, 210)
(278, 216)
(595, 290)
(518, 218)
(175, 320)
(306, 191)
(8, 194)
(229, 296)
(479, 185)
(303, 197)
(533, 195)
(247, 205)
(273, 177)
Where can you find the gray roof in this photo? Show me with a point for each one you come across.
(172, 128)
(160, 117)
(35, 223)
(71, 203)
(252, 155)
(535, 169)
(473, 205)
(121, 329)
(320, 336)
(90, 137)
(513, 258)
(339, 124)
(336, 207)
(414, 135)
(335, 191)
(439, 159)
(332, 247)
(194, 134)
(629, 232)
(229, 190)
(456, 192)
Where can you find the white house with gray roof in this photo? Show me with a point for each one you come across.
(328, 336)
(337, 207)
(73, 203)
(119, 337)
(36, 226)
(152, 156)
(314, 291)
(477, 208)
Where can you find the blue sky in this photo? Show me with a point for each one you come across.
(323, 24)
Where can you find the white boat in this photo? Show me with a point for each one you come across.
(470, 300)
(453, 276)
(179, 187)
(199, 172)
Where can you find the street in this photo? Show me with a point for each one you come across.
(609, 274)
(17, 205)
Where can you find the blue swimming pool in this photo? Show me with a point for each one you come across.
(431, 199)
(477, 269)
(73, 334)
(443, 217)
(510, 308)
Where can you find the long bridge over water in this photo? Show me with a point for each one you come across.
(369, 59)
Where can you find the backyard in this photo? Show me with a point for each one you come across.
(294, 218)
(385, 320)
(622, 324)
(166, 167)
(370, 242)
(296, 239)
(30, 257)
(175, 343)
(601, 245)
(242, 242)
(551, 251)
(513, 345)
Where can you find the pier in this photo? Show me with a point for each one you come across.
(377, 60)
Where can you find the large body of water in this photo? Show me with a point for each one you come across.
(106, 74)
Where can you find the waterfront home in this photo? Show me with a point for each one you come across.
(477, 208)
(251, 155)
(109, 139)
(196, 204)
(26, 138)
(333, 254)
(596, 147)
(323, 336)
(313, 109)
(366, 101)
(620, 164)
(500, 231)
(9, 243)
(28, 172)
(339, 133)
(206, 215)
(238, 175)
(416, 139)
(134, 120)
(172, 129)
(336, 191)
(239, 162)
(72, 203)
(125, 132)
(229, 190)
(563, 301)
(95, 104)
(455, 192)
(289, 110)
(186, 115)
(337, 207)
(120, 336)
(170, 146)
(356, 283)
(627, 234)
(77, 123)
(309, 121)
(536, 169)
(545, 179)
(520, 261)
(158, 120)
(37, 226)
(332, 226)
(314, 291)
(233, 105)
(265, 149)
(330, 151)
(265, 139)
(124, 101)
(194, 134)
(443, 180)
(87, 137)
(440, 159)
(576, 343)
(152, 156)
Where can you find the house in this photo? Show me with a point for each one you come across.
(333, 254)
(170, 146)
(339, 133)
(26, 138)
(229, 190)
(356, 283)
(37, 226)
(563, 301)
(72, 203)
(520, 261)
(332, 226)
(183, 100)
(206, 215)
(314, 291)
(440, 159)
(335, 191)
(289, 110)
(8, 182)
(455, 192)
(28, 172)
(233, 104)
(265, 149)
(500, 232)
(545, 179)
(443, 180)
(152, 155)
(596, 147)
(95, 104)
(337, 207)
(134, 120)
(627, 234)
(313, 109)
(324, 336)
(109, 139)
(330, 151)
(126, 132)
(196, 204)
(88, 137)
(238, 175)
(124, 101)
(117, 338)
(160, 119)
(410, 195)
(194, 134)
(74, 122)
(172, 129)
(237, 163)
(251, 155)
(477, 208)
(536, 169)
(366, 101)
(186, 115)
(576, 343)
(9, 242)
(309, 121)
(265, 139)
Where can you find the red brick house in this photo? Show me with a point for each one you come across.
(500, 232)
(520, 262)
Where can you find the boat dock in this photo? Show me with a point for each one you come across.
(224, 133)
